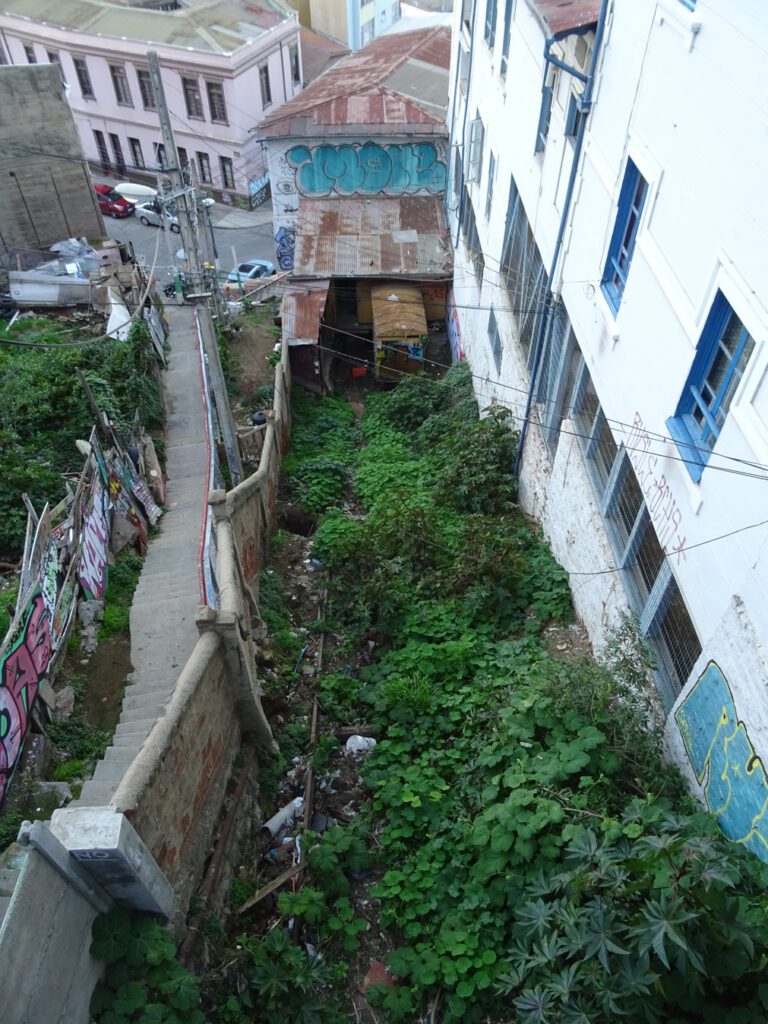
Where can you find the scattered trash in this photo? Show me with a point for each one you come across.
(359, 744)
(284, 818)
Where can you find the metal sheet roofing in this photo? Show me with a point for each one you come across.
(372, 237)
(213, 26)
(302, 310)
(398, 311)
(561, 17)
(376, 87)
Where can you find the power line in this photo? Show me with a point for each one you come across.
(628, 428)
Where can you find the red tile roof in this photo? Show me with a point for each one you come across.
(561, 17)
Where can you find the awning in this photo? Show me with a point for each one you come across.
(302, 310)
(398, 312)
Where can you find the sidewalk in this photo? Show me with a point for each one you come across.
(232, 217)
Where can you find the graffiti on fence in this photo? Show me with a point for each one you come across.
(259, 191)
(94, 543)
(24, 660)
(285, 242)
(724, 760)
(369, 168)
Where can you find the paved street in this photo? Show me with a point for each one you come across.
(239, 235)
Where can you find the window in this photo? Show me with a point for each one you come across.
(475, 154)
(522, 270)
(161, 159)
(29, 53)
(721, 358)
(471, 236)
(293, 56)
(83, 78)
(101, 147)
(640, 555)
(227, 172)
(690, 4)
(631, 200)
(266, 88)
(495, 339)
(366, 33)
(489, 189)
(53, 57)
(146, 90)
(117, 149)
(216, 102)
(137, 157)
(204, 167)
(574, 116)
(545, 112)
(466, 15)
(397, 11)
(192, 98)
(3, 58)
(490, 22)
(120, 82)
(505, 41)
(183, 158)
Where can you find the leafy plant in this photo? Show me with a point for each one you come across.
(143, 981)
(81, 741)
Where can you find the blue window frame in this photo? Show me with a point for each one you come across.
(721, 357)
(490, 22)
(505, 42)
(690, 4)
(631, 201)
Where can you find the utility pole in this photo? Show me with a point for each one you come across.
(184, 197)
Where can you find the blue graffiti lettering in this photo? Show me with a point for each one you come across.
(724, 760)
(369, 168)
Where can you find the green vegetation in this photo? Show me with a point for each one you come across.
(143, 982)
(539, 861)
(44, 410)
(122, 581)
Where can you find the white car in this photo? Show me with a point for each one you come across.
(149, 212)
(250, 270)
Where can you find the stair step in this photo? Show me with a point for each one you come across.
(111, 771)
(95, 794)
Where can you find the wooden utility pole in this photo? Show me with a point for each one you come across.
(184, 198)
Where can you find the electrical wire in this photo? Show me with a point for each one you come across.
(621, 426)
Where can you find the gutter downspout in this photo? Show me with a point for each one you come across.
(584, 107)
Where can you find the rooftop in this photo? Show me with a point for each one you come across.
(398, 81)
(562, 17)
(317, 53)
(212, 26)
(371, 237)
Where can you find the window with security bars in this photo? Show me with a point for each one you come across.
(120, 83)
(522, 271)
(640, 557)
(266, 86)
(227, 172)
(557, 374)
(722, 354)
(192, 97)
(146, 90)
(505, 41)
(137, 156)
(471, 236)
(204, 168)
(216, 102)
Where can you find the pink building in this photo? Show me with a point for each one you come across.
(225, 65)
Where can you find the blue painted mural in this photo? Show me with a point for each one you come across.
(724, 760)
(369, 168)
(285, 246)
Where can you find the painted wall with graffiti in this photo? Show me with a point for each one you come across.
(67, 553)
(724, 760)
(387, 167)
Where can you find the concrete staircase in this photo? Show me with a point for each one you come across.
(163, 631)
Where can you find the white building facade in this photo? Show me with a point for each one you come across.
(224, 66)
(610, 272)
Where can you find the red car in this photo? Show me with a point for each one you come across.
(111, 203)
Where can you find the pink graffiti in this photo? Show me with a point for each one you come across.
(22, 665)
(93, 546)
(663, 509)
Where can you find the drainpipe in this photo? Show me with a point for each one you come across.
(584, 107)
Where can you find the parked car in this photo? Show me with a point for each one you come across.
(111, 203)
(250, 270)
(150, 212)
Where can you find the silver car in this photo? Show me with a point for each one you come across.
(150, 212)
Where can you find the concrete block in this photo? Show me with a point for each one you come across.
(105, 843)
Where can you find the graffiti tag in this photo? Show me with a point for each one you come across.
(285, 243)
(92, 571)
(663, 509)
(23, 662)
(393, 169)
(724, 760)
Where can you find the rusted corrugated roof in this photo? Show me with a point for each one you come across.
(398, 311)
(302, 310)
(560, 17)
(356, 91)
(370, 237)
